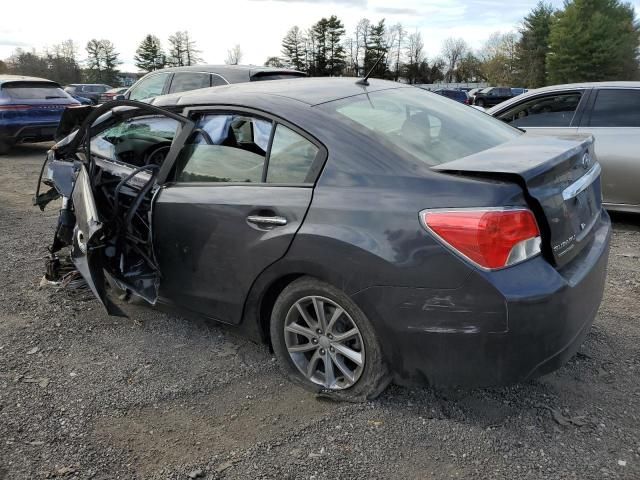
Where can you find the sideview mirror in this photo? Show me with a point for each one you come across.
(119, 97)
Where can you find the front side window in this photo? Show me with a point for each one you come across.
(424, 125)
(185, 81)
(226, 148)
(149, 87)
(137, 141)
(556, 110)
(616, 108)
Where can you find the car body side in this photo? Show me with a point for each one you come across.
(443, 321)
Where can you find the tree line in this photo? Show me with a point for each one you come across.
(587, 40)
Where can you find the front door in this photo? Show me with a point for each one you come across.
(240, 191)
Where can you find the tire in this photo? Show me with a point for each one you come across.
(480, 103)
(360, 382)
(5, 147)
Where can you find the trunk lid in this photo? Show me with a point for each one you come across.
(561, 180)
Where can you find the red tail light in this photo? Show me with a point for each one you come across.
(490, 238)
(15, 107)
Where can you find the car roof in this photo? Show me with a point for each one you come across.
(233, 73)
(311, 91)
(23, 78)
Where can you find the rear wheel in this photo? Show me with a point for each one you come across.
(4, 147)
(325, 343)
(480, 103)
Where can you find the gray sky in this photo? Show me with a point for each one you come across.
(257, 25)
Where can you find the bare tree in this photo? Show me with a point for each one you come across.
(499, 58)
(453, 49)
(397, 42)
(415, 55)
(234, 55)
(361, 41)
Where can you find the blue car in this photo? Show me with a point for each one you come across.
(30, 109)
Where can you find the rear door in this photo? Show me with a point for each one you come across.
(614, 120)
(239, 193)
(549, 113)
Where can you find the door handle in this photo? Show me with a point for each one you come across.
(267, 221)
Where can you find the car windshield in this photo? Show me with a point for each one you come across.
(35, 91)
(422, 124)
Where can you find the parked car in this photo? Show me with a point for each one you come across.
(182, 79)
(352, 227)
(92, 91)
(472, 94)
(457, 95)
(82, 100)
(30, 109)
(610, 111)
(112, 94)
(488, 97)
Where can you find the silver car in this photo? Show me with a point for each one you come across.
(610, 111)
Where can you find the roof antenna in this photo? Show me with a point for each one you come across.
(365, 80)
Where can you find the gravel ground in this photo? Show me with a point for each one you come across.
(155, 396)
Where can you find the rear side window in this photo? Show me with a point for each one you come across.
(227, 148)
(151, 86)
(555, 110)
(616, 108)
(185, 81)
(421, 124)
(217, 81)
(34, 91)
(291, 157)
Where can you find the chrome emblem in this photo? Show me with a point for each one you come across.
(586, 161)
(583, 226)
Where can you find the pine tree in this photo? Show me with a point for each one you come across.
(335, 50)
(102, 62)
(533, 46)
(293, 46)
(593, 40)
(376, 48)
(149, 55)
(320, 53)
(182, 50)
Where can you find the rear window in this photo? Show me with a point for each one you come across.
(616, 108)
(275, 76)
(34, 91)
(421, 124)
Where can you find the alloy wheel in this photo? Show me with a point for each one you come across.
(324, 342)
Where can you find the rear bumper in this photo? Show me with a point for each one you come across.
(499, 328)
(28, 132)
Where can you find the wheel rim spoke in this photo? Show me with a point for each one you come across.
(341, 337)
(329, 374)
(334, 318)
(299, 329)
(313, 363)
(305, 316)
(318, 306)
(305, 347)
(343, 368)
(355, 357)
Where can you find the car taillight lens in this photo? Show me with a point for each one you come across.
(15, 107)
(490, 238)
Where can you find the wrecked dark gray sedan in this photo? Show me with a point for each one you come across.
(368, 231)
